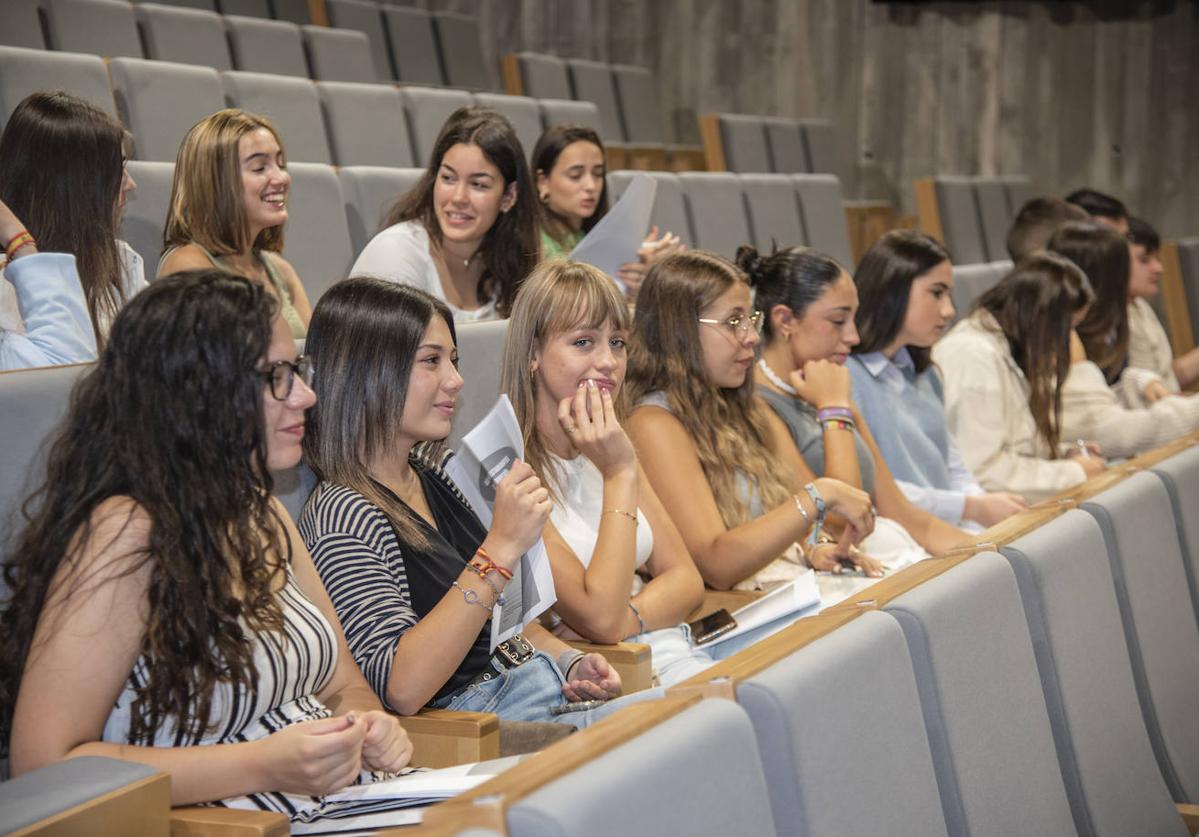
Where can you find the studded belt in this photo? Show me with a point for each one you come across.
(508, 654)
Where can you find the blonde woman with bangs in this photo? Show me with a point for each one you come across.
(621, 569)
(229, 205)
(722, 462)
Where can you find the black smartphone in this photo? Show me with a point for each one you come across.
(711, 626)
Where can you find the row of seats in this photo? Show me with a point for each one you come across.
(971, 215)
(742, 143)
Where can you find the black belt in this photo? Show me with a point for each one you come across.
(508, 655)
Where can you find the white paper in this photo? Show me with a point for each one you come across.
(618, 235)
(424, 784)
(485, 455)
(790, 599)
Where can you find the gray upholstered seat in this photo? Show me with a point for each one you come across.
(101, 27)
(784, 138)
(266, 46)
(1070, 601)
(460, 44)
(555, 111)
(640, 110)
(413, 45)
(773, 211)
(291, 103)
(369, 192)
(364, 16)
(670, 207)
(959, 219)
(160, 101)
(246, 8)
(820, 146)
(146, 211)
(845, 705)
(202, 5)
(1019, 191)
(39, 800)
(480, 356)
(716, 208)
(339, 54)
(1180, 473)
(592, 82)
(626, 790)
(543, 76)
(22, 28)
(524, 114)
(1152, 587)
(970, 281)
(984, 710)
(317, 238)
(366, 124)
(428, 109)
(185, 36)
(823, 213)
(293, 11)
(24, 71)
(743, 139)
(1188, 261)
(994, 216)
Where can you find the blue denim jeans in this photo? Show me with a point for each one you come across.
(526, 693)
(674, 657)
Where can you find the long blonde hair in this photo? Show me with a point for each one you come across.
(557, 296)
(727, 426)
(207, 207)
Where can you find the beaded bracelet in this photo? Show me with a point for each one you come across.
(821, 509)
(629, 515)
(499, 596)
(470, 596)
(838, 424)
(834, 413)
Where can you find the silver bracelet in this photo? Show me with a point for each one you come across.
(640, 621)
(499, 597)
(567, 659)
(806, 518)
(470, 596)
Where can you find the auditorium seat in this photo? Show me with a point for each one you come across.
(25, 71)
(1019, 191)
(670, 207)
(716, 208)
(369, 192)
(970, 281)
(338, 54)
(1070, 602)
(185, 36)
(743, 139)
(1188, 263)
(245, 8)
(100, 27)
(994, 215)
(959, 219)
(984, 711)
(266, 46)
(784, 138)
(542, 76)
(820, 146)
(160, 101)
(202, 5)
(460, 46)
(480, 355)
(1150, 573)
(428, 109)
(823, 213)
(364, 16)
(1180, 474)
(413, 45)
(773, 210)
(317, 239)
(592, 82)
(640, 110)
(294, 11)
(366, 124)
(555, 111)
(21, 28)
(523, 112)
(146, 212)
(291, 103)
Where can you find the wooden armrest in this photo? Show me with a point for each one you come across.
(714, 600)
(892, 586)
(1016, 526)
(444, 738)
(227, 822)
(1190, 816)
(632, 660)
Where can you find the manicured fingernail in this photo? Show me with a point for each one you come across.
(350, 718)
(591, 383)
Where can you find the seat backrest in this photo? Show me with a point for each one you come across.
(480, 358)
(743, 139)
(413, 45)
(101, 27)
(970, 281)
(773, 211)
(640, 110)
(1070, 604)
(428, 109)
(825, 225)
(317, 239)
(592, 82)
(291, 103)
(820, 146)
(994, 215)
(983, 708)
(185, 36)
(543, 76)
(554, 111)
(245, 8)
(959, 219)
(339, 54)
(366, 124)
(1019, 191)
(1147, 563)
(524, 114)
(622, 791)
(266, 46)
(146, 212)
(808, 752)
(69, 797)
(293, 11)
(160, 101)
(1180, 473)
(1188, 263)
(784, 138)
(22, 27)
(716, 208)
(364, 16)
(369, 191)
(25, 71)
(460, 45)
(670, 206)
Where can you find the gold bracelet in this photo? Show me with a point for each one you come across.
(630, 515)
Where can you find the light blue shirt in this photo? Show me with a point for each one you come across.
(58, 328)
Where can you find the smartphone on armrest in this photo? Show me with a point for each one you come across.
(715, 624)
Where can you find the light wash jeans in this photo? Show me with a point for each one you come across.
(674, 657)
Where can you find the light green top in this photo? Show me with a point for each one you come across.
(292, 317)
(551, 249)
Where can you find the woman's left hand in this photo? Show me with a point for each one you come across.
(829, 556)
(386, 746)
(592, 678)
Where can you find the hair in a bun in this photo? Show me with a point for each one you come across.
(750, 260)
(795, 277)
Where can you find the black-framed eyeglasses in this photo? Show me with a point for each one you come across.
(281, 375)
(739, 324)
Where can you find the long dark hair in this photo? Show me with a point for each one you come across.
(1103, 255)
(171, 417)
(510, 248)
(552, 142)
(884, 279)
(61, 166)
(1034, 306)
(795, 277)
(363, 337)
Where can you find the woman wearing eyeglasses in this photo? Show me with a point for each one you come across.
(164, 609)
(722, 463)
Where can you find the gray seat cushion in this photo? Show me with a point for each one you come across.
(823, 213)
(101, 27)
(461, 48)
(413, 45)
(970, 281)
(366, 17)
(22, 28)
(291, 103)
(524, 114)
(317, 239)
(366, 124)
(37, 796)
(369, 192)
(25, 71)
(716, 208)
(339, 54)
(994, 215)
(640, 110)
(784, 137)
(428, 109)
(146, 211)
(744, 142)
(592, 82)
(160, 101)
(185, 36)
(959, 219)
(1180, 474)
(266, 46)
(773, 211)
(556, 111)
(544, 76)
(480, 353)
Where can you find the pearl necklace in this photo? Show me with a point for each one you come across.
(775, 379)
